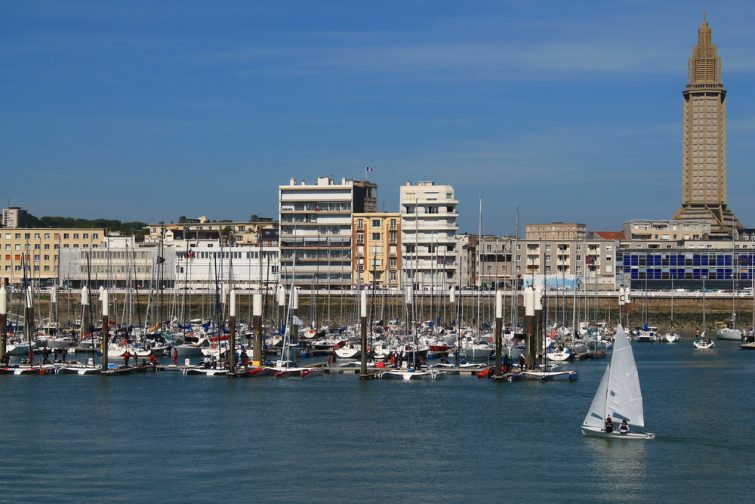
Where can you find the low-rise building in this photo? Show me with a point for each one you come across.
(257, 229)
(34, 252)
(555, 231)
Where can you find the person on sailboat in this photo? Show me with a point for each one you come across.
(624, 427)
(609, 424)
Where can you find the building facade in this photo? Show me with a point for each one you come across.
(316, 229)
(555, 231)
(376, 249)
(428, 235)
(704, 195)
(664, 232)
(257, 229)
(14, 217)
(118, 262)
(569, 264)
(205, 264)
(712, 264)
(34, 253)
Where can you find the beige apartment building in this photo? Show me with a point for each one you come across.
(257, 230)
(555, 231)
(376, 249)
(36, 250)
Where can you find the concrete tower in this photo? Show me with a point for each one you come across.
(704, 139)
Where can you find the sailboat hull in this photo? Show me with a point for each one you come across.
(634, 436)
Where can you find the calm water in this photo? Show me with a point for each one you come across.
(168, 438)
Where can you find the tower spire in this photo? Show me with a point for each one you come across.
(704, 195)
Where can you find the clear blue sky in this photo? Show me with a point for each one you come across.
(572, 110)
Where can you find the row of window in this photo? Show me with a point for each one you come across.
(18, 268)
(56, 236)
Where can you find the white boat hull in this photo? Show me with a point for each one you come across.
(407, 375)
(631, 435)
(730, 334)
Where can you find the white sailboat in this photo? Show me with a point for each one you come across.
(618, 396)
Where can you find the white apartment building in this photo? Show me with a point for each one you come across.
(205, 264)
(429, 256)
(119, 261)
(315, 229)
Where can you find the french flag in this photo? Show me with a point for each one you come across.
(369, 169)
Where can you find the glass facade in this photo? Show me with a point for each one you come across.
(660, 269)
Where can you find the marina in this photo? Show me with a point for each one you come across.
(362, 439)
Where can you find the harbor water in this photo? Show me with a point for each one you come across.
(165, 437)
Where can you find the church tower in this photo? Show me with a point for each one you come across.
(704, 139)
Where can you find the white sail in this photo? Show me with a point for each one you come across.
(597, 413)
(624, 398)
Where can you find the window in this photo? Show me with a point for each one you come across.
(360, 224)
(76, 236)
(360, 237)
(376, 236)
(375, 222)
(392, 262)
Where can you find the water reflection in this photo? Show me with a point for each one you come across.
(619, 467)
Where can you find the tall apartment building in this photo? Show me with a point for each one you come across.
(376, 249)
(36, 250)
(429, 256)
(704, 139)
(14, 217)
(315, 229)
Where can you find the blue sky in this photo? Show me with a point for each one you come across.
(570, 110)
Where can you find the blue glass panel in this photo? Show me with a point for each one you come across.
(720, 260)
(635, 260)
(672, 260)
(696, 260)
(727, 260)
(627, 269)
(627, 260)
(635, 274)
(696, 274)
(704, 260)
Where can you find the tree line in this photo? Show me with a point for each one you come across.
(112, 225)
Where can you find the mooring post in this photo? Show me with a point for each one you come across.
(105, 298)
(363, 315)
(529, 322)
(498, 332)
(232, 335)
(3, 319)
(257, 356)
